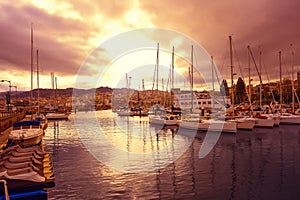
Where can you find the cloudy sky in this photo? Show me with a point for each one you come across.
(67, 32)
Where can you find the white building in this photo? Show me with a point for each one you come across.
(201, 100)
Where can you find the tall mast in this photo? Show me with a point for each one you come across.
(157, 64)
(260, 85)
(293, 89)
(249, 71)
(52, 84)
(212, 80)
(55, 92)
(172, 72)
(280, 81)
(192, 79)
(231, 70)
(37, 77)
(31, 68)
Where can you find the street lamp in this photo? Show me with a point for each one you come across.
(16, 90)
(8, 98)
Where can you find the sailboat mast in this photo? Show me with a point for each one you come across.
(52, 84)
(293, 87)
(31, 68)
(56, 92)
(37, 77)
(192, 79)
(212, 80)
(280, 81)
(157, 64)
(260, 85)
(172, 72)
(231, 71)
(249, 71)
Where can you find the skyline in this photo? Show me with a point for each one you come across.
(67, 32)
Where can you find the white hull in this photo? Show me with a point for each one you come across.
(275, 117)
(162, 121)
(264, 123)
(290, 119)
(244, 123)
(211, 125)
(57, 116)
(26, 137)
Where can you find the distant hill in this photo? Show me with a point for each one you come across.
(47, 93)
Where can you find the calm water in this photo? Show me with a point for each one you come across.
(262, 164)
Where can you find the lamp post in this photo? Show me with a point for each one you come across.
(16, 90)
(8, 98)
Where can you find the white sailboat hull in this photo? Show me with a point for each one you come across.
(290, 119)
(211, 125)
(161, 121)
(26, 137)
(264, 123)
(57, 116)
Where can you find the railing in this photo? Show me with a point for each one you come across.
(5, 189)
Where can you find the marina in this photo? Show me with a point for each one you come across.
(257, 164)
(104, 100)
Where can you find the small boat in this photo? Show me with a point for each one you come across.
(168, 120)
(43, 121)
(244, 123)
(263, 121)
(288, 118)
(26, 133)
(217, 125)
(195, 123)
(53, 116)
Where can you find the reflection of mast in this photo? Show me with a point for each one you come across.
(55, 137)
(233, 173)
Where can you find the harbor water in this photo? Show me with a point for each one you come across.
(257, 164)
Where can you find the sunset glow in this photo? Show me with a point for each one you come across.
(66, 32)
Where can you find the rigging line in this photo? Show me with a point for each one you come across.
(267, 74)
(224, 60)
(251, 54)
(238, 61)
(217, 75)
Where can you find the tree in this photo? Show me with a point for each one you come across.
(224, 88)
(240, 90)
(287, 90)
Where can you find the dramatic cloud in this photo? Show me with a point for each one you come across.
(65, 32)
(270, 24)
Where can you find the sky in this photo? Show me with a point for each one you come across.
(66, 34)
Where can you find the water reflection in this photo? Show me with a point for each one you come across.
(262, 164)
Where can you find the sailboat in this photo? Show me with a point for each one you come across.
(162, 119)
(286, 118)
(56, 115)
(261, 120)
(40, 117)
(242, 122)
(194, 122)
(27, 132)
